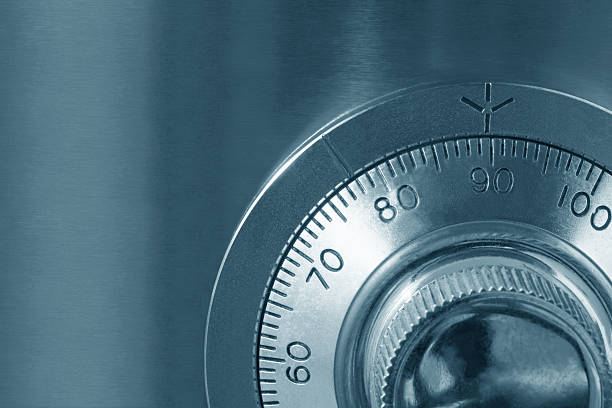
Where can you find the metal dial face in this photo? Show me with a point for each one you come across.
(462, 258)
(522, 227)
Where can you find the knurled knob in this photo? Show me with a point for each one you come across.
(436, 298)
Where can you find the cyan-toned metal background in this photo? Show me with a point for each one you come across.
(133, 134)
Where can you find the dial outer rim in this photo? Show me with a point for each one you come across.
(232, 352)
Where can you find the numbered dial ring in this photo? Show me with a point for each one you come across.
(347, 320)
(443, 246)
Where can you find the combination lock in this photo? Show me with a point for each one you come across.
(443, 246)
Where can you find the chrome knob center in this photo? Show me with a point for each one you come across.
(490, 358)
(485, 327)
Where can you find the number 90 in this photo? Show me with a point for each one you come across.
(503, 180)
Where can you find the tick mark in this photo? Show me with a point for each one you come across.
(401, 163)
(311, 232)
(281, 305)
(272, 359)
(302, 254)
(435, 157)
(545, 168)
(488, 109)
(283, 282)
(287, 271)
(337, 211)
(382, 178)
(326, 215)
(596, 185)
(269, 336)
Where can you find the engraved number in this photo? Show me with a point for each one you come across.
(480, 180)
(600, 220)
(580, 206)
(332, 261)
(386, 212)
(299, 352)
(503, 180)
(298, 375)
(407, 198)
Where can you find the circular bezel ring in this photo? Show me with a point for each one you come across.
(398, 120)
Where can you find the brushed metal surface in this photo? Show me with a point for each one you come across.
(133, 135)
